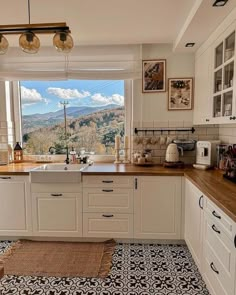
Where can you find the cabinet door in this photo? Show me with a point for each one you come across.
(15, 218)
(57, 214)
(157, 207)
(194, 221)
(202, 105)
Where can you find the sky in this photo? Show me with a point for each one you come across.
(46, 96)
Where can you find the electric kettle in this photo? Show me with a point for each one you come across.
(172, 153)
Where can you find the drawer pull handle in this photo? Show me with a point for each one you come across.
(107, 190)
(215, 229)
(215, 214)
(214, 268)
(200, 202)
(107, 181)
(56, 195)
(108, 215)
(5, 177)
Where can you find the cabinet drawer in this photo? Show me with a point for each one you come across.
(108, 181)
(56, 195)
(219, 279)
(221, 246)
(220, 218)
(108, 225)
(107, 199)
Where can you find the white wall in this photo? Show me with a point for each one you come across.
(153, 106)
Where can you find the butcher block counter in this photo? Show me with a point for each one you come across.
(211, 182)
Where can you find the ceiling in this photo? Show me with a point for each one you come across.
(122, 21)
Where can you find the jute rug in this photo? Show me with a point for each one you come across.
(58, 259)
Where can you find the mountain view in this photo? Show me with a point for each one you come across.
(87, 127)
(94, 115)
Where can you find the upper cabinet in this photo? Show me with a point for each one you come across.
(215, 80)
(223, 97)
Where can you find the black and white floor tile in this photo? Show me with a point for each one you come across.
(138, 269)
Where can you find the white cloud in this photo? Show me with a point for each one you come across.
(68, 93)
(31, 96)
(100, 99)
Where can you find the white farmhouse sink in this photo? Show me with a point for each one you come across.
(57, 173)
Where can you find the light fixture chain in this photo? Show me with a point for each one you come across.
(29, 10)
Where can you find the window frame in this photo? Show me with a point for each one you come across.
(128, 97)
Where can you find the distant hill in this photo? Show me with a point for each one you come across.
(95, 132)
(36, 121)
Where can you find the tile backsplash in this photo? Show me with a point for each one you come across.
(209, 132)
(227, 133)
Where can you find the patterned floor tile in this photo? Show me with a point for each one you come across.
(138, 269)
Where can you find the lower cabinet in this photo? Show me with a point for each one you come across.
(108, 225)
(157, 207)
(193, 230)
(57, 213)
(108, 206)
(210, 235)
(15, 206)
(219, 251)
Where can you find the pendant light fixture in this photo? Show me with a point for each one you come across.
(30, 43)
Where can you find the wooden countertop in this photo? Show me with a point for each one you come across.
(211, 182)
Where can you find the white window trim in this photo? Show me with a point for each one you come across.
(128, 93)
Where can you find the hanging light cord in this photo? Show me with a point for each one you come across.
(29, 10)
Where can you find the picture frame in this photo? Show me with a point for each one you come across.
(154, 76)
(180, 94)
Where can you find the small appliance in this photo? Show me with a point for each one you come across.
(172, 153)
(206, 154)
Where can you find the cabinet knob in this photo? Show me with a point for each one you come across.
(56, 195)
(215, 229)
(108, 215)
(232, 118)
(200, 202)
(214, 268)
(207, 120)
(216, 215)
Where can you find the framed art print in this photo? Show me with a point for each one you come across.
(154, 75)
(180, 94)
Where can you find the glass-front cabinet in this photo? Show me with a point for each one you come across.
(223, 86)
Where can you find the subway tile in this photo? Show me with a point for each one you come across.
(188, 124)
(3, 124)
(212, 131)
(147, 124)
(176, 124)
(161, 124)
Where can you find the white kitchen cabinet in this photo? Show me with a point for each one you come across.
(223, 77)
(108, 206)
(215, 79)
(15, 206)
(202, 105)
(157, 207)
(194, 204)
(219, 253)
(57, 210)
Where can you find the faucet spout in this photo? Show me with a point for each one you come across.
(67, 160)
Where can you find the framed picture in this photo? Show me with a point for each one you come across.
(154, 75)
(180, 94)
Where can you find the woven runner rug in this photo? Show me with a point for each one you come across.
(58, 259)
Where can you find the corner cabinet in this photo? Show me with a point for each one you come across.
(157, 207)
(215, 80)
(15, 206)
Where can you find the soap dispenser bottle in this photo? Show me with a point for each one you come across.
(72, 156)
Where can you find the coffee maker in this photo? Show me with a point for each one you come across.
(206, 154)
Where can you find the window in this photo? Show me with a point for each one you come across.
(94, 111)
